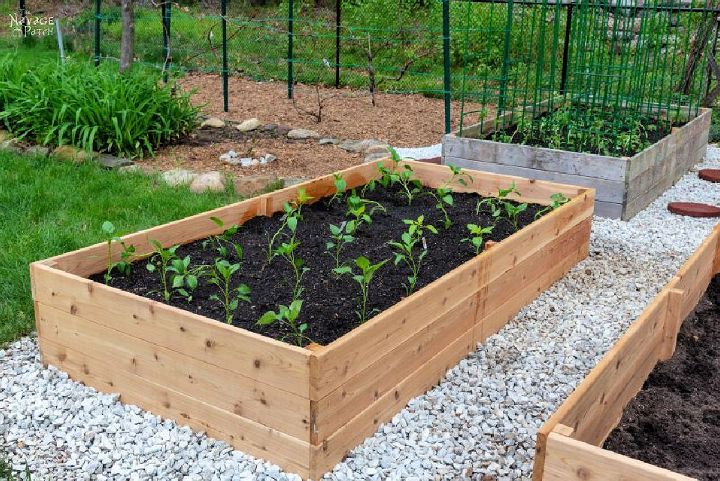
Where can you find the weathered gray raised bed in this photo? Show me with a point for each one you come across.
(624, 185)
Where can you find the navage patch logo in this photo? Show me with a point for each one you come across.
(34, 26)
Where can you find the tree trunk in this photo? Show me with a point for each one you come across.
(127, 39)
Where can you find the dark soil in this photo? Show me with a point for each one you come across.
(329, 303)
(674, 422)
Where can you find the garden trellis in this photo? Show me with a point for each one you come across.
(587, 58)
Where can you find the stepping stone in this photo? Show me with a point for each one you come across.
(711, 175)
(694, 209)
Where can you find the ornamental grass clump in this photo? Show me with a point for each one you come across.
(93, 108)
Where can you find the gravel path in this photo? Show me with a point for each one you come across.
(478, 423)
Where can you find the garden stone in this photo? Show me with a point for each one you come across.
(328, 141)
(249, 162)
(38, 150)
(377, 149)
(69, 153)
(269, 128)
(230, 157)
(374, 157)
(11, 145)
(178, 177)
(360, 146)
(111, 162)
(249, 125)
(212, 123)
(208, 181)
(302, 134)
(283, 130)
(267, 159)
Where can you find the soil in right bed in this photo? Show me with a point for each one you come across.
(674, 422)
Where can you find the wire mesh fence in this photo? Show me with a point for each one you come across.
(507, 56)
(598, 75)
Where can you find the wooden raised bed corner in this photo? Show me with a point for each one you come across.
(569, 444)
(303, 409)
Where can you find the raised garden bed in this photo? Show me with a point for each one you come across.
(624, 184)
(569, 444)
(305, 407)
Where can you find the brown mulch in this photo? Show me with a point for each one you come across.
(400, 120)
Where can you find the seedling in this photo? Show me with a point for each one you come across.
(443, 194)
(288, 316)
(477, 236)
(124, 265)
(221, 274)
(513, 212)
(363, 279)
(361, 209)
(341, 236)
(402, 176)
(340, 188)
(501, 206)
(224, 240)
(162, 260)
(289, 220)
(287, 250)
(558, 200)
(184, 277)
(405, 251)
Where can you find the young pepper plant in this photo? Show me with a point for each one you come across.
(341, 236)
(340, 188)
(220, 275)
(363, 279)
(290, 219)
(288, 316)
(361, 209)
(184, 277)
(124, 265)
(443, 194)
(401, 175)
(477, 236)
(558, 200)
(405, 252)
(162, 261)
(224, 240)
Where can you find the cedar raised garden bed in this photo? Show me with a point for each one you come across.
(569, 444)
(302, 408)
(624, 185)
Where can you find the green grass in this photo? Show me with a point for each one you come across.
(51, 207)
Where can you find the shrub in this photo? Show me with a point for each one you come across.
(92, 108)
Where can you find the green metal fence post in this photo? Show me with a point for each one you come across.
(166, 16)
(506, 59)
(223, 8)
(97, 32)
(446, 63)
(291, 21)
(566, 47)
(23, 19)
(338, 20)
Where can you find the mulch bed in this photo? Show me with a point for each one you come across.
(329, 303)
(674, 422)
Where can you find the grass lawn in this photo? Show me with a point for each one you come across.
(50, 207)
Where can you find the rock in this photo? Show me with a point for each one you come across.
(212, 123)
(328, 141)
(178, 177)
(290, 181)
(269, 128)
(230, 157)
(249, 125)
(130, 169)
(248, 185)
(208, 181)
(111, 162)
(302, 134)
(38, 150)
(361, 146)
(249, 162)
(694, 209)
(267, 159)
(377, 149)
(72, 154)
(282, 130)
(12, 145)
(376, 156)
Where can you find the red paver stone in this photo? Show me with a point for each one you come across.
(711, 175)
(694, 209)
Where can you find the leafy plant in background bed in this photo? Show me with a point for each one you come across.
(288, 316)
(558, 200)
(162, 261)
(361, 210)
(221, 275)
(405, 252)
(94, 108)
(443, 194)
(124, 265)
(363, 278)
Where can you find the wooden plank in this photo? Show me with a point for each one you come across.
(571, 460)
(253, 438)
(611, 210)
(673, 321)
(347, 356)
(222, 388)
(607, 190)
(364, 424)
(261, 358)
(537, 158)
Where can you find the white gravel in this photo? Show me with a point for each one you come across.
(480, 420)
(420, 152)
